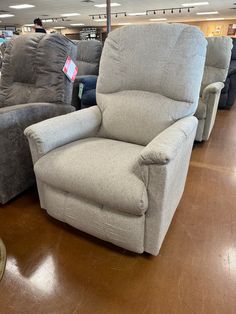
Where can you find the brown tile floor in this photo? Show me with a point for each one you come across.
(53, 268)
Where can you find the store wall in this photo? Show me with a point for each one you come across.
(209, 28)
(215, 28)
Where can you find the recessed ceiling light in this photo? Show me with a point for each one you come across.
(77, 24)
(70, 14)
(29, 25)
(137, 14)
(47, 21)
(104, 5)
(59, 27)
(21, 6)
(194, 4)
(156, 20)
(100, 20)
(6, 15)
(215, 19)
(207, 13)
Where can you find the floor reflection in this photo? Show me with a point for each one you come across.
(43, 278)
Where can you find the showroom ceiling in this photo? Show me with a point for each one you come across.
(54, 8)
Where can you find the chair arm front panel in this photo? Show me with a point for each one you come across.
(167, 171)
(213, 88)
(211, 97)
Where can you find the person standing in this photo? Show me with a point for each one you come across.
(39, 26)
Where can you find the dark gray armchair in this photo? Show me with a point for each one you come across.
(228, 95)
(88, 59)
(33, 88)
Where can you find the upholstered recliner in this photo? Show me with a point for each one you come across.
(88, 59)
(2, 51)
(33, 88)
(117, 170)
(215, 72)
(228, 94)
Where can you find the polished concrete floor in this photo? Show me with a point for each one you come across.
(53, 268)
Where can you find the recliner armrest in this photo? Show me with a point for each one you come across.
(84, 78)
(164, 147)
(212, 89)
(89, 80)
(52, 133)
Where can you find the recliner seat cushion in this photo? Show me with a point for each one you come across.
(101, 170)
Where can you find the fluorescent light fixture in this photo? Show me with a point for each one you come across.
(194, 4)
(215, 19)
(104, 5)
(21, 6)
(124, 23)
(157, 20)
(100, 20)
(59, 27)
(137, 14)
(29, 25)
(207, 13)
(77, 24)
(47, 21)
(69, 14)
(6, 15)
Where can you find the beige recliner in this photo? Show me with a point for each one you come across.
(215, 72)
(117, 170)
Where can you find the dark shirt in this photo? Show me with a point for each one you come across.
(40, 30)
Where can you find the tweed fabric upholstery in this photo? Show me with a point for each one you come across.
(136, 86)
(109, 179)
(121, 173)
(32, 70)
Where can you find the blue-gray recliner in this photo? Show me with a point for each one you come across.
(228, 95)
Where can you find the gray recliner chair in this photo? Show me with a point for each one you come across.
(33, 88)
(118, 170)
(215, 73)
(88, 59)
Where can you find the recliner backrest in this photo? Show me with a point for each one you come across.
(32, 70)
(149, 77)
(217, 60)
(88, 56)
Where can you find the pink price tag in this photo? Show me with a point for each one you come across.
(70, 69)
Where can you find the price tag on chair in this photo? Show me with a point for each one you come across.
(70, 69)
